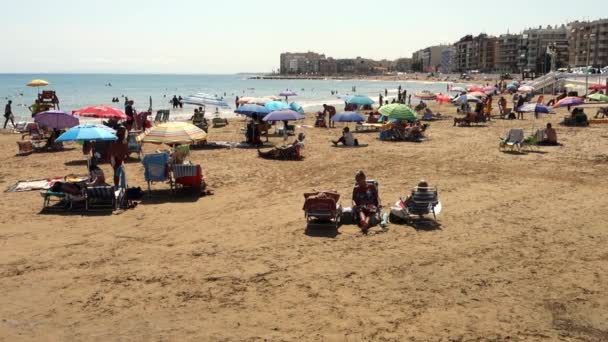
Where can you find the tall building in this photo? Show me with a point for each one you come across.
(588, 43)
(476, 53)
(300, 63)
(544, 49)
(430, 57)
(463, 50)
(508, 53)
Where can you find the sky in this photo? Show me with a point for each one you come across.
(231, 36)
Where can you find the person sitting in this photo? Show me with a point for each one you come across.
(347, 138)
(365, 201)
(423, 186)
(96, 176)
(292, 151)
(549, 136)
(320, 121)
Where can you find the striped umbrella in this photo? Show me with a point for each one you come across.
(175, 133)
(397, 111)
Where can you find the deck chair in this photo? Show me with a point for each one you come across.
(133, 145)
(218, 122)
(186, 175)
(59, 201)
(120, 193)
(100, 198)
(156, 169)
(513, 140)
(322, 208)
(422, 202)
(25, 147)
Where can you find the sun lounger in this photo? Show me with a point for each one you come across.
(513, 140)
(156, 169)
(322, 208)
(100, 198)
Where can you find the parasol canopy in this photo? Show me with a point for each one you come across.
(348, 117)
(37, 83)
(398, 111)
(175, 133)
(88, 133)
(569, 101)
(284, 115)
(101, 112)
(56, 119)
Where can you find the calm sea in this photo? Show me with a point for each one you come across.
(80, 90)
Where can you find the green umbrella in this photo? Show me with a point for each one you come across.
(598, 97)
(397, 111)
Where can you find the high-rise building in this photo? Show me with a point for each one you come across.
(588, 43)
(476, 53)
(430, 58)
(508, 53)
(544, 49)
(300, 63)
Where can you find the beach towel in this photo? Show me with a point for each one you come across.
(33, 185)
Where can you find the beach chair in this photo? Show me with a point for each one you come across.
(218, 122)
(59, 201)
(133, 145)
(187, 175)
(513, 140)
(156, 169)
(422, 202)
(162, 115)
(25, 147)
(120, 193)
(100, 198)
(322, 208)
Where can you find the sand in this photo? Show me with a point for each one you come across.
(520, 254)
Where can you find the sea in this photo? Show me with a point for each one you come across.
(80, 90)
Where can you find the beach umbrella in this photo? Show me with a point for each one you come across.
(37, 83)
(101, 112)
(284, 115)
(288, 93)
(276, 105)
(489, 89)
(175, 133)
(88, 133)
(535, 108)
(252, 109)
(425, 95)
(570, 85)
(474, 88)
(359, 100)
(525, 89)
(259, 100)
(348, 117)
(513, 86)
(477, 94)
(397, 111)
(597, 87)
(56, 119)
(466, 98)
(598, 97)
(202, 99)
(296, 107)
(569, 101)
(458, 90)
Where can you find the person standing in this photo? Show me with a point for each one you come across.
(175, 102)
(330, 111)
(520, 102)
(236, 102)
(119, 151)
(180, 102)
(381, 100)
(385, 92)
(8, 114)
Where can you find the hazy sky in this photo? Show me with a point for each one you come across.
(228, 36)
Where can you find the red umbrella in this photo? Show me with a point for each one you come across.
(475, 88)
(101, 112)
(597, 87)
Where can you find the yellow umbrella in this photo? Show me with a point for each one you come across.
(37, 83)
(570, 85)
(175, 133)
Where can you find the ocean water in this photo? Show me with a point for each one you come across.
(80, 90)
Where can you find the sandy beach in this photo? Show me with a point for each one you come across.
(520, 254)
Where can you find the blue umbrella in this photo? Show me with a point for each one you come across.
(296, 107)
(348, 117)
(534, 108)
(88, 133)
(359, 100)
(252, 109)
(284, 115)
(513, 86)
(276, 105)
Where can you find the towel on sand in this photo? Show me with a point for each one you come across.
(33, 185)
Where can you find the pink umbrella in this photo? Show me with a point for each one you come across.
(489, 89)
(443, 98)
(101, 112)
(474, 88)
(569, 101)
(477, 94)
